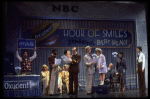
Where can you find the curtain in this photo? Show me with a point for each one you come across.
(129, 53)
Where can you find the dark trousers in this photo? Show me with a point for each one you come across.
(141, 77)
(73, 77)
(110, 74)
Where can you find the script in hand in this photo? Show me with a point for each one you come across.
(57, 61)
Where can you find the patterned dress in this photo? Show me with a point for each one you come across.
(102, 63)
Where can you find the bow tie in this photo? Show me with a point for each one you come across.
(91, 56)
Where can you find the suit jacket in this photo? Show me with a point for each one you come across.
(51, 61)
(89, 68)
(74, 66)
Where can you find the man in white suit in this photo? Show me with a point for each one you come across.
(90, 70)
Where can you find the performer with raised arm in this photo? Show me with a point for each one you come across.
(88, 61)
(26, 62)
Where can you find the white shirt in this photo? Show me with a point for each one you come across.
(66, 59)
(141, 59)
(31, 58)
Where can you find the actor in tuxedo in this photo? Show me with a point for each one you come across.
(73, 72)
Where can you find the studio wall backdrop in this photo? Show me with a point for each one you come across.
(61, 34)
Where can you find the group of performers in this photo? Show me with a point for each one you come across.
(52, 80)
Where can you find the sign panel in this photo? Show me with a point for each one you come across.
(49, 35)
(19, 85)
(26, 43)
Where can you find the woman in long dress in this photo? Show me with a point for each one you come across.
(44, 78)
(121, 68)
(101, 65)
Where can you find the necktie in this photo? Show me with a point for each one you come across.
(73, 56)
(91, 56)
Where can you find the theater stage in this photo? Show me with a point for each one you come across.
(134, 93)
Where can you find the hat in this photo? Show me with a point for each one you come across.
(121, 53)
(98, 49)
(74, 48)
(87, 48)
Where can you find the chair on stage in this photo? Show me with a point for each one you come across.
(116, 79)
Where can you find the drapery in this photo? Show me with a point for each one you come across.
(129, 53)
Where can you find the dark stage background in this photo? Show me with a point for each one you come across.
(129, 53)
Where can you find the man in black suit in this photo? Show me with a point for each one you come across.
(73, 72)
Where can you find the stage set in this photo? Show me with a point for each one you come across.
(38, 28)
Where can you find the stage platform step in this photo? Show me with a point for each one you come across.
(112, 94)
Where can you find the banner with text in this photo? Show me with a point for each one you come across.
(52, 37)
(26, 43)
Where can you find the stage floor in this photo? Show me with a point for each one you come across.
(112, 94)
